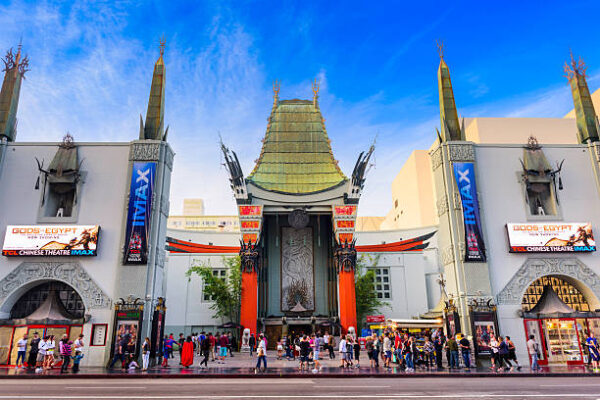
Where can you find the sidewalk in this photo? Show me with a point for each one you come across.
(242, 365)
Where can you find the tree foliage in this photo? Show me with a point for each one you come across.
(367, 302)
(226, 294)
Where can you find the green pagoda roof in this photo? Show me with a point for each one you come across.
(296, 156)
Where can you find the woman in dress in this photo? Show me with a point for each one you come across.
(592, 344)
(187, 353)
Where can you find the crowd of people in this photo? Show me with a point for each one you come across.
(45, 353)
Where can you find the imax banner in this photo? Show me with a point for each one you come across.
(138, 215)
(464, 173)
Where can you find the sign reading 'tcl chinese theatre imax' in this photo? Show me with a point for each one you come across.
(139, 213)
(464, 174)
(50, 240)
(551, 237)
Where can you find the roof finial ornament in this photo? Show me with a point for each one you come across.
(574, 67)
(532, 143)
(440, 46)
(315, 89)
(276, 87)
(162, 41)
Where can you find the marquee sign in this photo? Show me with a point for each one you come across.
(344, 220)
(50, 240)
(464, 174)
(139, 213)
(551, 237)
(250, 222)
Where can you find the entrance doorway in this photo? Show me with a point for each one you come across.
(299, 330)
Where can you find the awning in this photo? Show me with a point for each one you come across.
(416, 323)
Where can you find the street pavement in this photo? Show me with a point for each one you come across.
(306, 388)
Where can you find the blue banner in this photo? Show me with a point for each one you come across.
(139, 213)
(464, 174)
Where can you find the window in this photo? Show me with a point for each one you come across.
(220, 273)
(383, 284)
(568, 293)
(35, 297)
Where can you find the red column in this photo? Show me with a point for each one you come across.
(347, 299)
(249, 306)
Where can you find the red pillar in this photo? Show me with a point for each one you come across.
(249, 306)
(347, 299)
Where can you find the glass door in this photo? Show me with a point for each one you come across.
(563, 341)
(533, 327)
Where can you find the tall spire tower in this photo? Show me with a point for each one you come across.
(587, 122)
(154, 126)
(448, 115)
(15, 67)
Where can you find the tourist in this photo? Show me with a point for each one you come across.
(76, 360)
(252, 343)
(280, 348)
(231, 344)
(387, 350)
(342, 351)
(465, 348)
(331, 344)
(452, 348)
(187, 353)
(21, 352)
(533, 349)
(495, 356)
(167, 343)
(304, 352)
(213, 345)
(78, 344)
(65, 352)
(33, 351)
(512, 353)
(50, 347)
(326, 341)
(145, 354)
(503, 355)
(409, 354)
(120, 352)
(376, 350)
(349, 350)
(261, 353)
(41, 357)
(180, 342)
(438, 343)
(224, 344)
(429, 350)
(594, 350)
(356, 347)
(132, 364)
(318, 345)
(205, 351)
(369, 348)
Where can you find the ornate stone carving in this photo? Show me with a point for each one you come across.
(249, 257)
(461, 152)
(144, 151)
(448, 255)
(535, 268)
(442, 206)
(436, 158)
(344, 257)
(69, 272)
(457, 201)
(297, 269)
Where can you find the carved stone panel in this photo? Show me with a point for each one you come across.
(297, 269)
(144, 151)
(461, 152)
(436, 158)
(535, 268)
(29, 273)
(448, 255)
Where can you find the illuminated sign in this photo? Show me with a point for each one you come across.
(250, 222)
(50, 240)
(139, 213)
(551, 237)
(344, 221)
(348, 211)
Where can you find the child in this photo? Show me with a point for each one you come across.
(132, 364)
(279, 350)
(76, 360)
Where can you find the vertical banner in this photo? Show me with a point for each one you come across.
(139, 212)
(464, 174)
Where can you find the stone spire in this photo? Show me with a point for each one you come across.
(154, 126)
(448, 115)
(15, 67)
(587, 122)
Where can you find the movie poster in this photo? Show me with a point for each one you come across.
(464, 174)
(484, 327)
(563, 237)
(139, 213)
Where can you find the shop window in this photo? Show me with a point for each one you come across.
(31, 300)
(568, 293)
(383, 284)
(219, 273)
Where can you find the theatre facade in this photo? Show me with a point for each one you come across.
(82, 229)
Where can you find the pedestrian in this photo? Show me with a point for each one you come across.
(409, 354)
(326, 341)
(119, 353)
(465, 348)
(452, 349)
(78, 344)
(213, 343)
(224, 345)
(376, 349)
(331, 344)
(503, 354)
(180, 342)
(21, 352)
(41, 357)
(439, 348)
(205, 351)
(231, 343)
(145, 354)
(76, 360)
(33, 351)
(187, 353)
(495, 356)
(304, 352)
(594, 350)
(356, 347)
(369, 349)
(65, 353)
(349, 350)
(429, 350)
(387, 350)
(132, 364)
(512, 353)
(261, 354)
(252, 343)
(50, 347)
(166, 351)
(342, 351)
(534, 352)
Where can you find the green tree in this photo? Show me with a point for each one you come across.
(367, 302)
(226, 294)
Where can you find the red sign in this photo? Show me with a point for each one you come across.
(344, 210)
(250, 224)
(345, 223)
(250, 211)
(375, 319)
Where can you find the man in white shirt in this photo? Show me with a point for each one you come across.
(78, 344)
(342, 350)
(533, 350)
(42, 347)
(22, 350)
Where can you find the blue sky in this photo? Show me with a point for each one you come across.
(91, 64)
